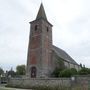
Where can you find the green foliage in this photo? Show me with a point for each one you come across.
(20, 70)
(56, 72)
(88, 70)
(81, 65)
(68, 72)
(65, 73)
(73, 71)
(1, 71)
(84, 71)
(11, 73)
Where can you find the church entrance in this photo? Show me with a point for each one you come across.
(33, 72)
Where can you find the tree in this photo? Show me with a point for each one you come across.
(20, 70)
(11, 73)
(81, 65)
(88, 70)
(84, 71)
(1, 71)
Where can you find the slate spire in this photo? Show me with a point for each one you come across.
(41, 13)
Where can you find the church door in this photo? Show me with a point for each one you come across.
(33, 72)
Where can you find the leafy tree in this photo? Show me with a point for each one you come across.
(20, 70)
(88, 70)
(81, 65)
(84, 71)
(11, 73)
(1, 71)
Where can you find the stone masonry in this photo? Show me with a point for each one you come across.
(40, 46)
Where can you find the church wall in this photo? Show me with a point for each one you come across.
(66, 64)
(77, 67)
(72, 65)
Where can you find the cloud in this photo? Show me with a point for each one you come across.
(71, 20)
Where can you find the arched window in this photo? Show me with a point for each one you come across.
(33, 72)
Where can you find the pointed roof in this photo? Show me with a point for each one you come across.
(41, 13)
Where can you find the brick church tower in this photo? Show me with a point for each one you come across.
(40, 46)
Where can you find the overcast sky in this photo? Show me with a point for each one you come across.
(71, 28)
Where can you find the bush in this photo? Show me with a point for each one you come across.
(84, 71)
(65, 73)
(74, 71)
(56, 72)
(68, 72)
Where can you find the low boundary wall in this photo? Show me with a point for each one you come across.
(28, 83)
(82, 82)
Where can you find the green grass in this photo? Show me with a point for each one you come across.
(5, 88)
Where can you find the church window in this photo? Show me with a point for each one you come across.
(47, 29)
(36, 26)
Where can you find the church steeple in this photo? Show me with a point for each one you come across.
(41, 13)
(40, 46)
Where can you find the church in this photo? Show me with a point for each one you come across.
(43, 57)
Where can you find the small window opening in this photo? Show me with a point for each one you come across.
(36, 28)
(47, 29)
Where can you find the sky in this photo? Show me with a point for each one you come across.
(71, 29)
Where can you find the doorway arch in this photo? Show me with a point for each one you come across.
(33, 72)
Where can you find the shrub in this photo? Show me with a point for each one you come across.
(84, 71)
(65, 73)
(56, 72)
(68, 72)
(73, 71)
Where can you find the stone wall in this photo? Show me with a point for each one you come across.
(28, 83)
(83, 82)
(75, 83)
